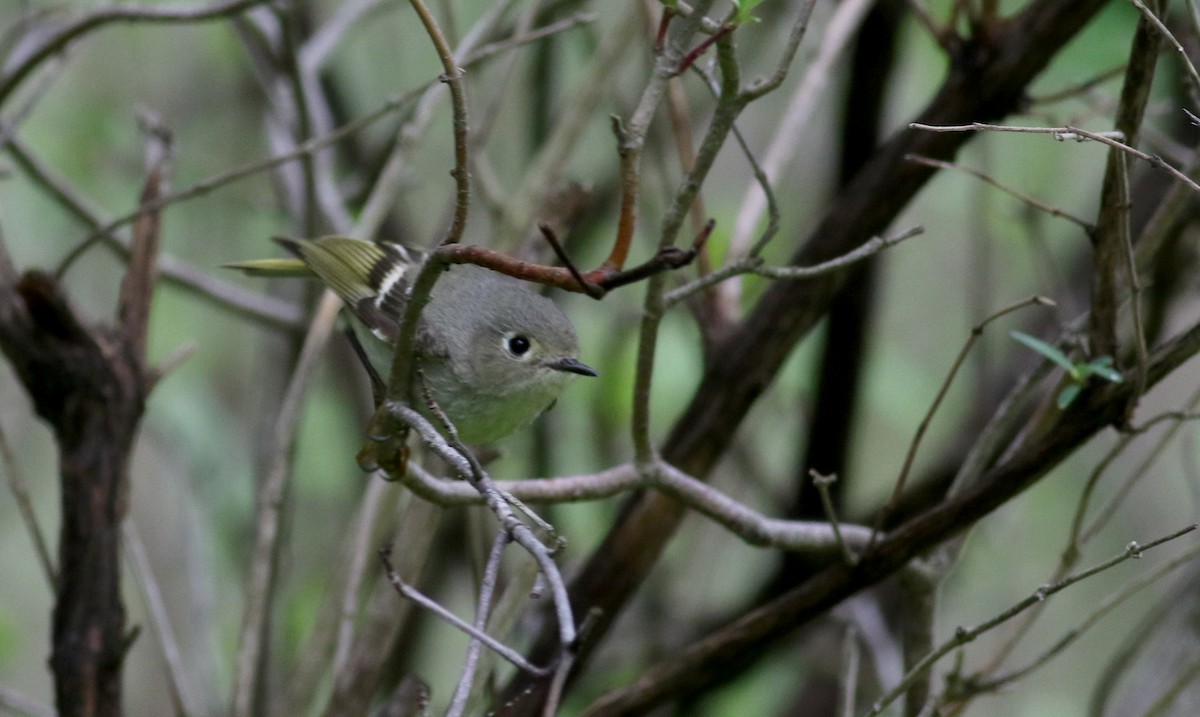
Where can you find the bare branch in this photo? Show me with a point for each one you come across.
(58, 41)
(964, 635)
(1062, 134)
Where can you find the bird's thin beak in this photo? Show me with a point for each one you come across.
(571, 365)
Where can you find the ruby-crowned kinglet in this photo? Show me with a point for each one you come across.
(493, 353)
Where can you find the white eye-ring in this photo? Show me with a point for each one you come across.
(517, 345)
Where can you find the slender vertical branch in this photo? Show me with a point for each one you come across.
(458, 101)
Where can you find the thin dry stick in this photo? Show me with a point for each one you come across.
(483, 609)
(1166, 33)
(848, 674)
(836, 36)
(1110, 508)
(465, 463)
(517, 40)
(822, 482)
(1106, 606)
(222, 293)
(754, 265)
(1067, 132)
(963, 636)
(730, 293)
(1020, 196)
(183, 692)
(1185, 678)
(410, 593)
(395, 169)
(12, 123)
(911, 455)
(631, 136)
(20, 491)
(328, 646)
(500, 88)
(58, 41)
(731, 101)
(1135, 287)
(1079, 88)
(458, 103)
(368, 516)
(814, 537)
(325, 39)
(579, 109)
(104, 230)
(557, 684)
(1075, 538)
(260, 592)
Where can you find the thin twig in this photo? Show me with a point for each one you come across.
(410, 593)
(183, 691)
(1020, 196)
(836, 36)
(561, 252)
(222, 293)
(848, 674)
(59, 40)
(913, 445)
(822, 482)
(20, 491)
(465, 463)
(356, 572)
(1141, 352)
(755, 265)
(1106, 606)
(525, 38)
(260, 592)
(1067, 132)
(458, 102)
(963, 636)
(1185, 678)
(1079, 88)
(945, 38)
(813, 537)
(483, 608)
(579, 110)
(1166, 33)
(1109, 509)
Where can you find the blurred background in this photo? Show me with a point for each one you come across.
(204, 440)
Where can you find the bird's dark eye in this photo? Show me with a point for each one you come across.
(518, 345)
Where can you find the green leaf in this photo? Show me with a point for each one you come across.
(1102, 367)
(1069, 394)
(1049, 351)
(744, 8)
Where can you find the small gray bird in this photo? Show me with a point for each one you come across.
(494, 353)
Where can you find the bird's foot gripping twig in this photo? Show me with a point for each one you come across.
(386, 448)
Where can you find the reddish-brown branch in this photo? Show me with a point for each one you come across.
(660, 37)
(700, 49)
(627, 223)
(595, 283)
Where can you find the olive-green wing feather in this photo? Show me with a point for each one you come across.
(273, 268)
(371, 279)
